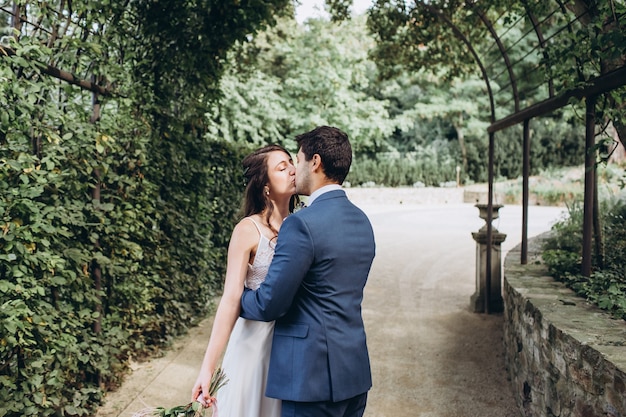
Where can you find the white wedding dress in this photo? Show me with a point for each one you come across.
(247, 355)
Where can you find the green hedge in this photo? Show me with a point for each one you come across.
(112, 241)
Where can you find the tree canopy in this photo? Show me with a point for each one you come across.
(524, 51)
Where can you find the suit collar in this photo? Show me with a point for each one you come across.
(330, 195)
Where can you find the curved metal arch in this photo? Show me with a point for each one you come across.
(540, 38)
(569, 18)
(470, 47)
(503, 52)
(579, 65)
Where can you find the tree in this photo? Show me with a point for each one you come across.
(459, 103)
(290, 78)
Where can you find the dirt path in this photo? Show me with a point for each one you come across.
(431, 357)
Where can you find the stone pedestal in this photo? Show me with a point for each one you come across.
(477, 300)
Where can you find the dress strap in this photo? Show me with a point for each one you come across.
(258, 228)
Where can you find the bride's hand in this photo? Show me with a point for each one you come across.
(205, 403)
(201, 386)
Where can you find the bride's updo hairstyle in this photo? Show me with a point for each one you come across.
(255, 174)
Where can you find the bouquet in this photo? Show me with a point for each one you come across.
(193, 409)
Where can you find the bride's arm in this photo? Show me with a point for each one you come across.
(243, 240)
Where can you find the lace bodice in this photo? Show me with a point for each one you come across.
(262, 260)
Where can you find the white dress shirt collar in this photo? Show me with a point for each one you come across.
(322, 190)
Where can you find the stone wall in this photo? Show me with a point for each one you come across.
(564, 356)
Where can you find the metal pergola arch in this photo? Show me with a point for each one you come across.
(592, 88)
(520, 112)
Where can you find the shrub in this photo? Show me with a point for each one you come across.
(606, 287)
(430, 165)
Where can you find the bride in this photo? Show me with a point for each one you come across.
(269, 198)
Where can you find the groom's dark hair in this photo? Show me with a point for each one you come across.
(333, 147)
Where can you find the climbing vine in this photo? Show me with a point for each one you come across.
(115, 206)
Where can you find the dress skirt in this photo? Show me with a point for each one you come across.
(245, 364)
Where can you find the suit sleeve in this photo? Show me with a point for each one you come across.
(292, 259)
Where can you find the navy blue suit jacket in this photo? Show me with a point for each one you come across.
(314, 290)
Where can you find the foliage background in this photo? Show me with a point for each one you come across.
(116, 207)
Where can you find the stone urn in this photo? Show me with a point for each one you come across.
(483, 210)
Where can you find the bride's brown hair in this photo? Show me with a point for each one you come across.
(255, 173)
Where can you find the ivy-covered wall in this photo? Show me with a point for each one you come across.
(113, 237)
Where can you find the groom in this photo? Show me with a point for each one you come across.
(319, 363)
